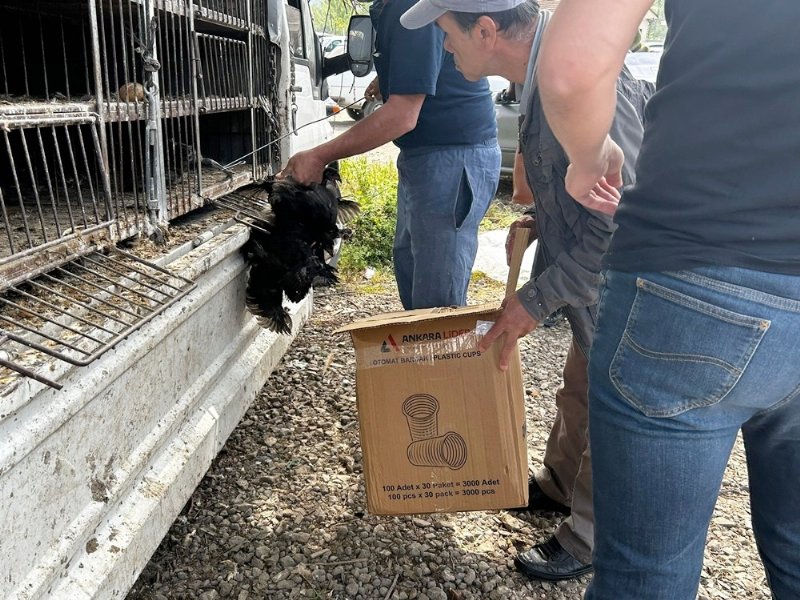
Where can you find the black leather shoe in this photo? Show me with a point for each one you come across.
(549, 561)
(538, 501)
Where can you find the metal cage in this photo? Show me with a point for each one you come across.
(117, 116)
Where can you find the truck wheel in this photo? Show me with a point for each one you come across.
(355, 114)
(370, 106)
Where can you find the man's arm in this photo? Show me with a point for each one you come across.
(573, 279)
(582, 54)
(397, 117)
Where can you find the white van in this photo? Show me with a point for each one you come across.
(164, 111)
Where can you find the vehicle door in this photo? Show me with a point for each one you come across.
(305, 99)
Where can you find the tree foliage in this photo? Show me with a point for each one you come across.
(333, 16)
(657, 23)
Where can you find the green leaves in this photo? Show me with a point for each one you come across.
(374, 186)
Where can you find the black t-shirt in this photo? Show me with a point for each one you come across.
(414, 61)
(718, 174)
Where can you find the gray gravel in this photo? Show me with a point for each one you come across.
(281, 512)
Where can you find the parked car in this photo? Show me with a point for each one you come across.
(643, 65)
(333, 45)
(348, 92)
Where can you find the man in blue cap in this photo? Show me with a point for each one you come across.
(449, 162)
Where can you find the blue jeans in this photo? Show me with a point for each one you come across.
(442, 195)
(680, 363)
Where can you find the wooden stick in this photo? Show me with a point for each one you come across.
(517, 252)
(391, 589)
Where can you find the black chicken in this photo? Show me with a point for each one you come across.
(287, 247)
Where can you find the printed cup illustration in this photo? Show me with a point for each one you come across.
(448, 450)
(428, 448)
(422, 414)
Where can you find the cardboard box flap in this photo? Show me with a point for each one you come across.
(418, 316)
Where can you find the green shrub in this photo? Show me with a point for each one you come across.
(374, 187)
(501, 215)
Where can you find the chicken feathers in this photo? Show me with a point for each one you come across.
(288, 247)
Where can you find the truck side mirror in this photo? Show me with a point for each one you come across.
(360, 42)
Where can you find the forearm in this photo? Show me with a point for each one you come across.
(521, 191)
(397, 117)
(574, 276)
(582, 55)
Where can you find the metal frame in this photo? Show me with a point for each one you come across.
(78, 312)
(142, 99)
(117, 116)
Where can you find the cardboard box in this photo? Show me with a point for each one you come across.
(442, 428)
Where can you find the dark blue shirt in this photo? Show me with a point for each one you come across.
(718, 174)
(455, 111)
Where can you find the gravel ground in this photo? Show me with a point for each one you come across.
(281, 512)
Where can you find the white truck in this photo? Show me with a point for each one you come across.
(129, 128)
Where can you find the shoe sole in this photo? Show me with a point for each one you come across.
(526, 570)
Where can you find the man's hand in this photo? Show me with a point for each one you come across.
(304, 167)
(528, 226)
(514, 322)
(595, 183)
(373, 91)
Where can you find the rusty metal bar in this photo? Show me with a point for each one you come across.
(197, 75)
(243, 204)
(134, 138)
(83, 292)
(91, 283)
(87, 307)
(60, 164)
(135, 278)
(116, 89)
(97, 75)
(88, 175)
(51, 306)
(98, 88)
(77, 177)
(44, 58)
(64, 52)
(42, 317)
(19, 190)
(248, 70)
(185, 188)
(114, 282)
(49, 182)
(7, 224)
(34, 185)
(129, 276)
(26, 372)
(24, 58)
(37, 346)
(3, 64)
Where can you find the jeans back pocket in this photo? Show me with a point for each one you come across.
(678, 352)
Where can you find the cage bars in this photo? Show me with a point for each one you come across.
(77, 312)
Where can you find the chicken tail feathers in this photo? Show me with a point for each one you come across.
(274, 318)
(325, 277)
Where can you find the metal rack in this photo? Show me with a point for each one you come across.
(112, 113)
(117, 116)
(78, 312)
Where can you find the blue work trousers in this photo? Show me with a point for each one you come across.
(442, 195)
(681, 362)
